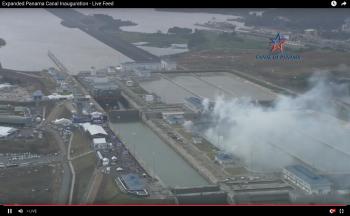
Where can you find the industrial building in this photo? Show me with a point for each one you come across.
(224, 158)
(97, 85)
(106, 89)
(98, 118)
(173, 117)
(37, 95)
(81, 118)
(175, 120)
(15, 115)
(103, 89)
(306, 180)
(209, 194)
(15, 120)
(196, 104)
(150, 66)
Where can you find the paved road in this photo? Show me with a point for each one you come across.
(73, 18)
(71, 192)
(63, 194)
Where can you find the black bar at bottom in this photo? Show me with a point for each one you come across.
(331, 210)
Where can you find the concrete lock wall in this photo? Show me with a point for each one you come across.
(203, 198)
(202, 189)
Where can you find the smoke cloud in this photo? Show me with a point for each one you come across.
(295, 129)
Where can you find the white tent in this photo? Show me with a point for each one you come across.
(5, 131)
(93, 129)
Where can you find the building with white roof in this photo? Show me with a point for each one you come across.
(5, 131)
(95, 131)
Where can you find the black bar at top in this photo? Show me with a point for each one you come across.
(173, 4)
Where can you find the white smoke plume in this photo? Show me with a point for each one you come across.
(188, 125)
(295, 129)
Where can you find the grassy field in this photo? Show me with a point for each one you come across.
(84, 167)
(27, 185)
(57, 111)
(197, 41)
(228, 41)
(80, 143)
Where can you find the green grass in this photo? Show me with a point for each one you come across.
(230, 42)
(84, 167)
(212, 40)
(80, 143)
(27, 185)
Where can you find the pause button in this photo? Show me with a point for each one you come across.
(9, 211)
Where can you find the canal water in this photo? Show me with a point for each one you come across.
(150, 20)
(157, 156)
(30, 33)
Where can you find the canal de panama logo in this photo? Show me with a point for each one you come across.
(278, 43)
(277, 50)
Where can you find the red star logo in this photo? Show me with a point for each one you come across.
(277, 43)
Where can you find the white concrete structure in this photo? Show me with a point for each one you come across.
(56, 96)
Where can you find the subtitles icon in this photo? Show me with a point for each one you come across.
(334, 3)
